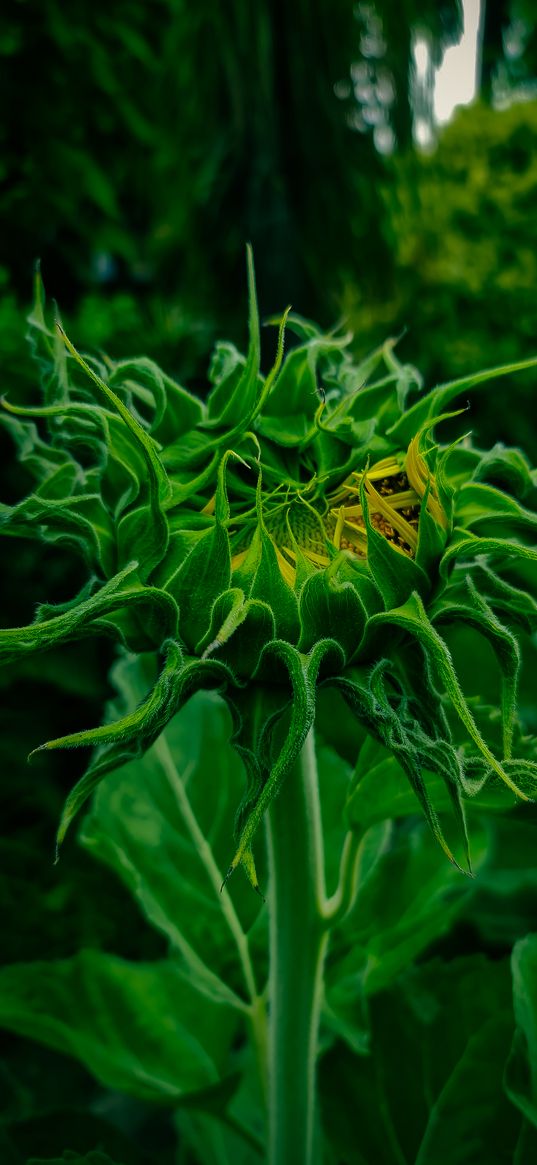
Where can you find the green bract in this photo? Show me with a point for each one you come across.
(298, 530)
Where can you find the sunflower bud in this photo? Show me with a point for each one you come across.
(297, 529)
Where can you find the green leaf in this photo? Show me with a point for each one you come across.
(137, 1027)
(225, 369)
(39, 458)
(526, 1146)
(289, 410)
(503, 642)
(509, 468)
(477, 504)
(200, 581)
(470, 1121)
(182, 413)
(140, 383)
(413, 618)
(520, 606)
(380, 789)
(233, 398)
(330, 606)
(150, 522)
(408, 901)
(81, 520)
(206, 572)
(521, 1074)
(268, 585)
(134, 732)
(431, 542)
(465, 545)
(217, 1138)
(438, 1045)
(86, 616)
(260, 576)
(388, 720)
(240, 629)
(164, 823)
(436, 401)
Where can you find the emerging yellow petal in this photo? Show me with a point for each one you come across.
(396, 487)
(420, 477)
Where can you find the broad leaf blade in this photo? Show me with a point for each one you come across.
(143, 825)
(137, 1027)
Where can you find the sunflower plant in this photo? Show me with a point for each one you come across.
(301, 540)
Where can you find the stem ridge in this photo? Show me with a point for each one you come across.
(298, 942)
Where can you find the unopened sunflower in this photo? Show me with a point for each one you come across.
(299, 529)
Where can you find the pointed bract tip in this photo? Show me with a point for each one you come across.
(278, 321)
(230, 871)
(237, 456)
(57, 318)
(34, 752)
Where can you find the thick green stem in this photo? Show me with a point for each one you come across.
(298, 942)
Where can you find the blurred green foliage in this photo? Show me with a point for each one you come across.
(154, 141)
(464, 244)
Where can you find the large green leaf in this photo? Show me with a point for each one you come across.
(503, 904)
(407, 898)
(137, 1027)
(164, 823)
(521, 1078)
(469, 1121)
(380, 789)
(433, 1074)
